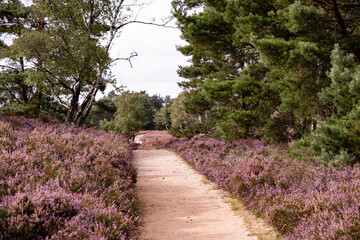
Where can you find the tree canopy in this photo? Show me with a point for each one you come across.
(130, 112)
(268, 69)
(130, 115)
(61, 51)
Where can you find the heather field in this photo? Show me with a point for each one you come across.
(301, 200)
(60, 182)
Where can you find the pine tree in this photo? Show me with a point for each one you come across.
(221, 80)
(337, 139)
(261, 65)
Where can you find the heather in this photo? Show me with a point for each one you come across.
(302, 200)
(153, 139)
(63, 182)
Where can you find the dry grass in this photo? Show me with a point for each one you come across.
(256, 226)
(205, 181)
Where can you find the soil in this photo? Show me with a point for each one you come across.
(178, 203)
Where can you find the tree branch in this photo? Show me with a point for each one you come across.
(348, 4)
(44, 69)
(150, 23)
(329, 3)
(134, 54)
(113, 29)
(13, 95)
(61, 102)
(323, 2)
(339, 19)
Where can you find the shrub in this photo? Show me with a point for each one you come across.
(62, 182)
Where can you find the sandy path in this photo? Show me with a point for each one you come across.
(176, 203)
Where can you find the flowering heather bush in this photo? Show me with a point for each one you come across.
(61, 182)
(154, 139)
(303, 201)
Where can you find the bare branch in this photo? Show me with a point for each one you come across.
(150, 23)
(133, 54)
(54, 95)
(58, 99)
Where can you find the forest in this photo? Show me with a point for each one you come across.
(269, 109)
(281, 71)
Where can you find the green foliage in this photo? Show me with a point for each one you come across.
(179, 117)
(130, 115)
(13, 88)
(275, 129)
(260, 68)
(195, 128)
(15, 20)
(62, 47)
(13, 16)
(187, 121)
(181, 121)
(76, 54)
(152, 105)
(230, 130)
(343, 91)
(301, 149)
(162, 117)
(337, 140)
(103, 108)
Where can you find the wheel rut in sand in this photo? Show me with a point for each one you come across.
(176, 204)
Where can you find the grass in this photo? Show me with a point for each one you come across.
(205, 181)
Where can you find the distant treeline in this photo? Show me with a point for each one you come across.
(128, 112)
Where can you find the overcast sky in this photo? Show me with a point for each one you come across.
(154, 69)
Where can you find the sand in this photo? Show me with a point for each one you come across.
(178, 203)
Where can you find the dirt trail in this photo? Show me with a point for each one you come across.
(177, 204)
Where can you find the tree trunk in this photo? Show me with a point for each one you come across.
(24, 88)
(24, 96)
(86, 106)
(343, 29)
(88, 102)
(38, 96)
(70, 118)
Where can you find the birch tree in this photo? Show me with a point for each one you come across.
(70, 53)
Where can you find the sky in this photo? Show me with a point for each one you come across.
(155, 68)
